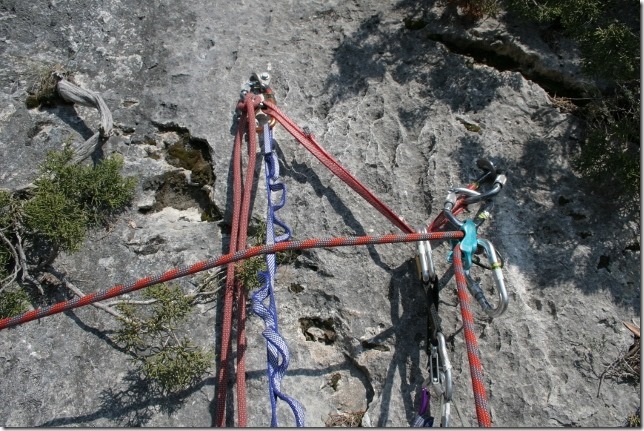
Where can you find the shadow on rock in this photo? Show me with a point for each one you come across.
(408, 311)
(375, 49)
(133, 406)
(569, 232)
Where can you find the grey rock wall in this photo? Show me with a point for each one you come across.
(392, 104)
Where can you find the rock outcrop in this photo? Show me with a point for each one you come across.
(408, 111)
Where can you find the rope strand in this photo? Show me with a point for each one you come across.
(473, 356)
(203, 265)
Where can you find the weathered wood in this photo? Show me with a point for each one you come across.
(75, 94)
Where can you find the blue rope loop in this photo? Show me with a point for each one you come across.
(277, 354)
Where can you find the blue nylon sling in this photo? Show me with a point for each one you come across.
(276, 348)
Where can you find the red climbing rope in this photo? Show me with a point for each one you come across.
(307, 140)
(241, 245)
(229, 291)
(473, 357)
(235, 293)
(175, 273)
(238, 238)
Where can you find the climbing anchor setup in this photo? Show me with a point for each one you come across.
(258, 103)
(465, 252)
(257, 116)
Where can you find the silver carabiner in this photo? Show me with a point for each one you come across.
(450, 201)
(440, 377)
(475, 288)
(499, 182)
(424, 262)
(259, 84)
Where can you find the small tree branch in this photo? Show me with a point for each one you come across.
(23, 264)
(103, 307)
(75, 94)
(10, 279)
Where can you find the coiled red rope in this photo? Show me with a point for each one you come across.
(175, 273)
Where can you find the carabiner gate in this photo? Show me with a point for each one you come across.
(424, 262)
(475, 288)
(440, 377)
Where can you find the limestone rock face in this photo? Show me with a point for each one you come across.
(408, 111)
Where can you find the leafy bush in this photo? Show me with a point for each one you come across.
(610, 155)
(247, 272)
(12, 302)
(177, 366)
(67, 200)
(5, 224)
(148, 334)
(71, 198)
(477, 9)
(603, 28)
(634, 420)
(612, 52)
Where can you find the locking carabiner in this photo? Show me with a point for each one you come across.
(475, 288)
(472, 194)
(498, 184)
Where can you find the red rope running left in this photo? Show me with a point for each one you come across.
(172, 274)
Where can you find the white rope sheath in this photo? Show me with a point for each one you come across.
(75, 94)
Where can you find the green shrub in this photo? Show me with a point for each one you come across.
(607, 33)
(5, 208)
(178, 366)
(57, 218)
(612, 52)
(148, 334)
(610, 155)
(609, 40)
(634, 420)
(5, 224)
(247, 272)
(12, 302)
(70, 198)
(67, 200)
(477, 9)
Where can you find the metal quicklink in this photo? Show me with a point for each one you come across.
(259, 84)
(440, 377)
